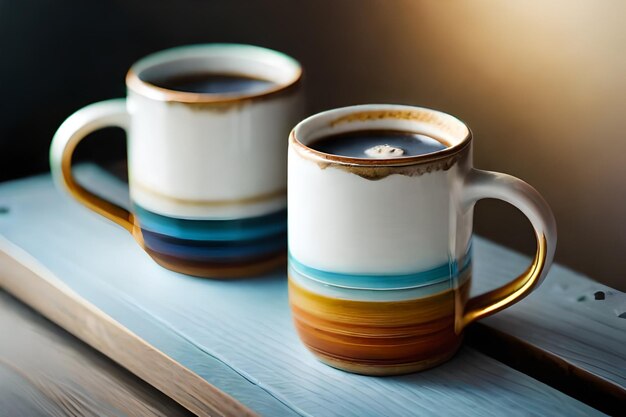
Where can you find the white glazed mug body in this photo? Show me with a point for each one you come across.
(380, 250)
(207, 172)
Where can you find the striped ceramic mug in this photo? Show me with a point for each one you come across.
(380, 249)
(207, 171)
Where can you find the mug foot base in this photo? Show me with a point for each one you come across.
(220, 271)
(371, 369)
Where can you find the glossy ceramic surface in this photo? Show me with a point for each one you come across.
(207, 172)
(380, 249)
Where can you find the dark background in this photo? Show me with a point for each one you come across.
(541, 84)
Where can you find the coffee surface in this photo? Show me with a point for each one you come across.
(373, 144)
(210, 83)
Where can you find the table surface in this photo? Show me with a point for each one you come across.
(45, 371)
(228, 347)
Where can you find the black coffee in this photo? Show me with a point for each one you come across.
(209, 83)
(377, 144)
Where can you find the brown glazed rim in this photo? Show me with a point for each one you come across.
(147, 89)
(363, 110)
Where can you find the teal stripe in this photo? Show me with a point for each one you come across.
(213, 230)
(432, 276)
(360, 294)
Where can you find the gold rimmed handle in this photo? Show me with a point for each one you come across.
(485, 184)
(85, 121)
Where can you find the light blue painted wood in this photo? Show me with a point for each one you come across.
(238, 334)
(562, 317)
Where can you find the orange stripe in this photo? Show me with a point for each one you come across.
(377, 337)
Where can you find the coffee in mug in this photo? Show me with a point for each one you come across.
(377, 144)
(209, 83)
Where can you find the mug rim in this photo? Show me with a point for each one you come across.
(135, 83)
(380, 111)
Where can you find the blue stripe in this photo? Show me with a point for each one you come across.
(212, 250)
(432, 276)
(213, 230)
(368, 294)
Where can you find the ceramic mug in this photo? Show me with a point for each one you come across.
(207, 172)
(380, 249)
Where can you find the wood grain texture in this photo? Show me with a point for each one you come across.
(61, 305)
(19, 397)
(237, 335)
(46, 371)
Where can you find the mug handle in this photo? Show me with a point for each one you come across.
(485, 184)
(85, 121)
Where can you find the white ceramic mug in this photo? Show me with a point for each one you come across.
(380, 249)
(207, 172)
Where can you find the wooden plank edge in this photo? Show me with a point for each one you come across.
(548, 368)
(31, 282)
(56, 374)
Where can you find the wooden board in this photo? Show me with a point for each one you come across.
(235, 336)
(45, 371)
